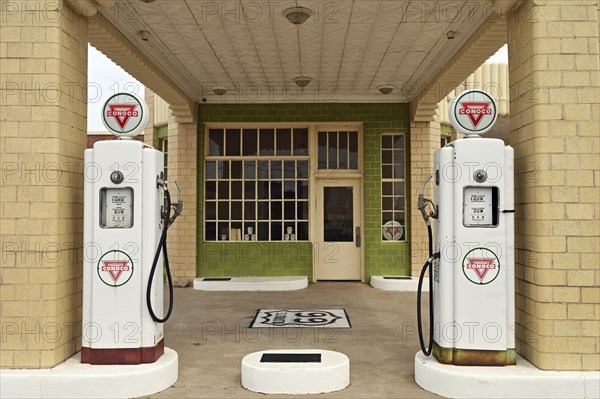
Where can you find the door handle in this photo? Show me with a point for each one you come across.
(357, 236)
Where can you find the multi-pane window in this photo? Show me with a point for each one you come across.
(256, 185)
(393, 187)
(164, 147)
(338, 150)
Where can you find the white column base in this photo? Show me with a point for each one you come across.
(72, 379)
(396, 284)
(251, 283)
(521, 381)
(331, 374)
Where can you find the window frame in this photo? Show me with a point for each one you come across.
(256, 158)
(393, 180)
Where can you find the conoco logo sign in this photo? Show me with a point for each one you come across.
(481, 266)
(125, 114)
(122, 113)
(115, 268)
(473, 112)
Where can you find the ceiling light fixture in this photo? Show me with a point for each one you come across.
(302, 81)
(451, 34)
(297, 15)
(386, 89)
(145, 35)
(219, 90)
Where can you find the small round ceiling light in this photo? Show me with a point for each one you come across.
(145, 35)
(451, 34)
(302, 81)
(297, 15)
(219, 90)
(386, 89)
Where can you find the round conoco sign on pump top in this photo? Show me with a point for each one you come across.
(473, 112)
(125, 115)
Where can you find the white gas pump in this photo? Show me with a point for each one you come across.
(127, 211)
(472, 314)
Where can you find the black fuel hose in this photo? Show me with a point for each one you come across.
(428, 265)
(162, 246)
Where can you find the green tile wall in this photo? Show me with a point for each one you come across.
(260, 259)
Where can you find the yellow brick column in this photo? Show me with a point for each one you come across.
(424, 140)
(43, 77)
(553, 61)
(183, 167)
(150, 131)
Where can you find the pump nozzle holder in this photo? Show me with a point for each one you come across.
(422, 203)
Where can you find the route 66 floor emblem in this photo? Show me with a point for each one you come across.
(311, 318)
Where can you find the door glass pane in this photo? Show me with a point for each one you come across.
(338, 223)
(353, 147)
(332, 151)
(343, 141)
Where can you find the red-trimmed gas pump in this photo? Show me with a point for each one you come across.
(127, 212)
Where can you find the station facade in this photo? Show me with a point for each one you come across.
(284, 185)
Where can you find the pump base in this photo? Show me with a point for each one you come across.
(123, 355)
(471, 357)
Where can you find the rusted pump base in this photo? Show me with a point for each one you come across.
(468, 357)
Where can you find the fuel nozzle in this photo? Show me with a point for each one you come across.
(178, 207)
(422, 203)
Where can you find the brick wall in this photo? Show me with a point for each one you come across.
(43, 69)
(381, 258)
(554, 117)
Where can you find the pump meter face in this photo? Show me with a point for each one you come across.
(116, 208)
(480, 207)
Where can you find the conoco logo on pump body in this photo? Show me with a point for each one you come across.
(473, 112)
(115, 268)
(481, 266)
(125, 115)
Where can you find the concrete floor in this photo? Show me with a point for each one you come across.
(209, 332)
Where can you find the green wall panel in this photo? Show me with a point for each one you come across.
(260, 259)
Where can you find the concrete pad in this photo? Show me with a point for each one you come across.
(392, 283)
(331, 373)
(521, 381)
(275, 283)
(72, 379)
(210, 332)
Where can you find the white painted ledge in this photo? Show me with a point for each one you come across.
(285, 283)
(397, 284)
(521, 381)
(72, 379)
(332, 374)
